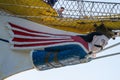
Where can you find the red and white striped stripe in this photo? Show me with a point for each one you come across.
(25, 38)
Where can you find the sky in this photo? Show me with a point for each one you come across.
(101, 69)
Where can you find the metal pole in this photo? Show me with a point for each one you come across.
(110, 47)
(106, 56)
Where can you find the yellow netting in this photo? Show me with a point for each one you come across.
(76, 19)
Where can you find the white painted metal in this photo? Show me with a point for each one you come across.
(11, 62)
(15, 61)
